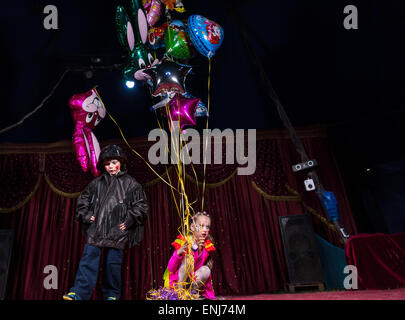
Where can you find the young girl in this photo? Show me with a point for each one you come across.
(199, 254)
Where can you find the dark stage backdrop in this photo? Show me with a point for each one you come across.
(39, 186)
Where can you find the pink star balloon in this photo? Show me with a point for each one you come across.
(182, 109)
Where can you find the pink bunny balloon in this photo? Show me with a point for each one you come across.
(87, 111)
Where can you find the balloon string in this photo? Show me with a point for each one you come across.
(195, 173)
(179, 175)
(177, 153)
(133, 150)
(167, 171)
(186, 205)
(206, 140)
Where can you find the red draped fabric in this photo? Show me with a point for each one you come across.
(39, 186)
(379, 259)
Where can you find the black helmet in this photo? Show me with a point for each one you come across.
(111, 152)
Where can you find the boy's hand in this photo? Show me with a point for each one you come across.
(123, 226)
(92, 219)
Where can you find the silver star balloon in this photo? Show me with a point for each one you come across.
(168, 77)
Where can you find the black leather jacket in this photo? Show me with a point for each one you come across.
(113, 200)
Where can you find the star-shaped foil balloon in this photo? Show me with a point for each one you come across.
(168, 76)
(182, 109)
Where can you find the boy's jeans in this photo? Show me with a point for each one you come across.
(86, 277)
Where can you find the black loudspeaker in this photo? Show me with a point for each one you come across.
(301, 252)
(6, 245)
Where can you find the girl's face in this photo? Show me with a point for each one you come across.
(112, 166)
(202, 227)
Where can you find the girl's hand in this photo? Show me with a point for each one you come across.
(182, 249)
(92, 219)
(123, 226)
(201, 243)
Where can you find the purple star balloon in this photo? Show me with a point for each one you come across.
(182, 109)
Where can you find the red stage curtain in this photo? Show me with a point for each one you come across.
(379, 258)
(245, 210)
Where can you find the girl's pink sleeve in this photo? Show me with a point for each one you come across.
(174, 262)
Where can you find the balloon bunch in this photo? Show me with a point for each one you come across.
(149, 27)
(140, 36)
(177, 40)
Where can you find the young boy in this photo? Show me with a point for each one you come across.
(112, 210)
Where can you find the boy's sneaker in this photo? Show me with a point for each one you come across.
(71, 296)
(111, 298)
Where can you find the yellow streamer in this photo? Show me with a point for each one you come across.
(185, 205)
(206, 142)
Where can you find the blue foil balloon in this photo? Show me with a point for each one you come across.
(206, 35)
(201, 110)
